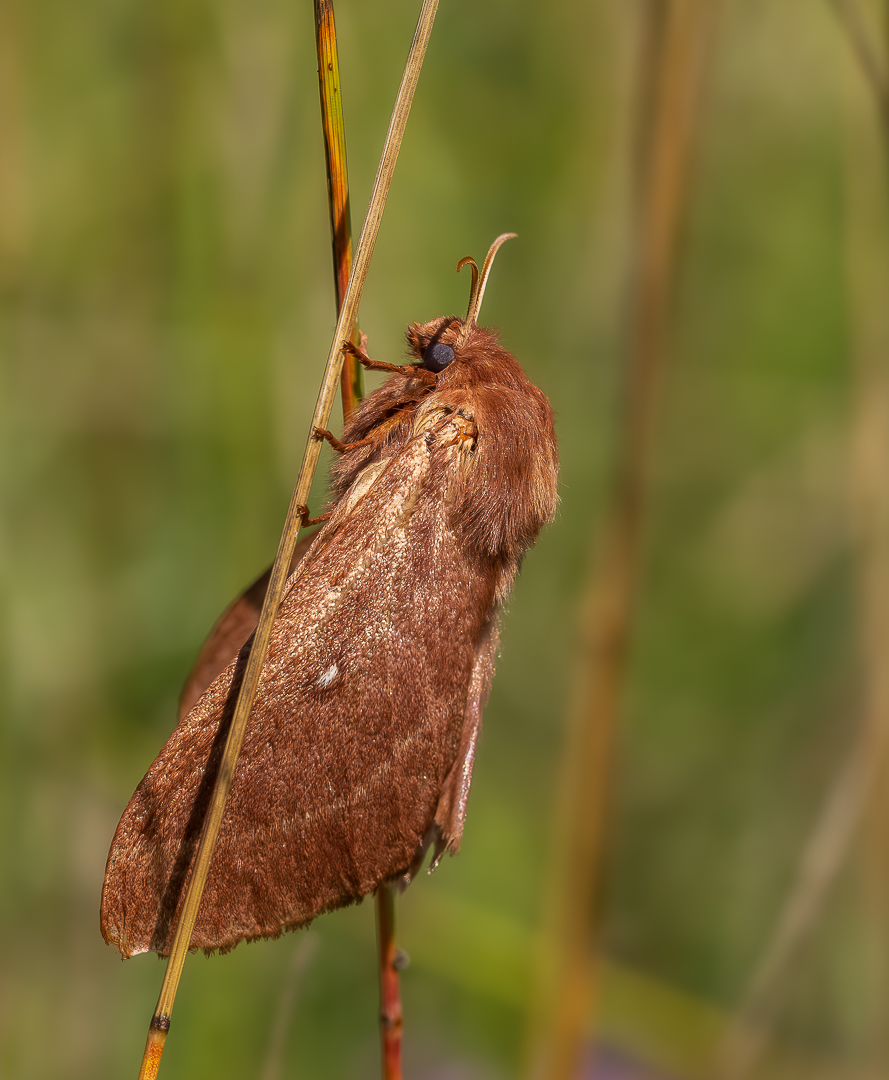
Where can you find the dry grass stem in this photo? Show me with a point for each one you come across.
(306, 948)
(749, 1031)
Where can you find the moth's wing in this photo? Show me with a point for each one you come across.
(355, 728)
(229, 633)
(450, 814)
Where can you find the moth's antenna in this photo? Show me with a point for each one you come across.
(477, 290)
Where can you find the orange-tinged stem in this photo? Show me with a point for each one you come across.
(154, 1048)
(391, 1017)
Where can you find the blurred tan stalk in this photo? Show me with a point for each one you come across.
(867, 185)
(676, 35)
(872, 63)
(861, 782)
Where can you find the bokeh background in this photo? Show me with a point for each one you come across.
(165, 312)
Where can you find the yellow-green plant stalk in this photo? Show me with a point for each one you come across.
(333, 126)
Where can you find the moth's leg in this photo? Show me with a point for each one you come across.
(358, 351)
(464, 427)
(409, 371)
(340, 447)
(467, 432)
(464, 436)
(307, 521)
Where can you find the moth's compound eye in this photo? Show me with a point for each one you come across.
(437, 356)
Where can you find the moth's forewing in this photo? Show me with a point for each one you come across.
(356, 726)
(229, 633)
(362, 737)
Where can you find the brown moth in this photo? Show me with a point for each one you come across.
(359, 748)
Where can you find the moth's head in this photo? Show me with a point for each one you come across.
(459, 347)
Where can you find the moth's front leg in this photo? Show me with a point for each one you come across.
(309, 521)
(340, 447)
(408, 371)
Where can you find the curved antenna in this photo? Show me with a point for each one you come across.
(479, 281)
(473, 289)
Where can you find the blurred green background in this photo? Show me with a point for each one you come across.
(165, 312)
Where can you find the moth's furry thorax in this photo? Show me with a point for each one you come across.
(508, 493)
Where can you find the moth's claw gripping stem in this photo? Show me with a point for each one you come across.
(307, 521)
(358, 351)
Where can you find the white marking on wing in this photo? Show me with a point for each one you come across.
(327, 677)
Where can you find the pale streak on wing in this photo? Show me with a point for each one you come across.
(389, 526)
(390, 523)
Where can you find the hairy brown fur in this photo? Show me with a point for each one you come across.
(360, 744)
